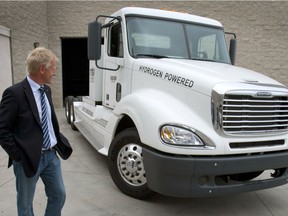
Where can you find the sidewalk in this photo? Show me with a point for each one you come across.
(91, 192)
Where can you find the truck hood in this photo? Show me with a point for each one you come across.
(203, 74)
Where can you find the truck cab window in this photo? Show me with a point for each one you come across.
(208, 47)
(115, 45)
(152, 37)
(165, 38)
(207, 43)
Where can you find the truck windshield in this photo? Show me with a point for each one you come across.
(157, 38)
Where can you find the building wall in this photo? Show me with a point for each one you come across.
(28, 23)
(261, 28)
(5, 56)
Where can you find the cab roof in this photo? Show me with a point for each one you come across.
(166, 14)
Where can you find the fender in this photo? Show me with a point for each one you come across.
(150, 109)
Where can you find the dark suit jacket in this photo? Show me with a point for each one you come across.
(21, 133)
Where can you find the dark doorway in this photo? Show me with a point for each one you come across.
(75, 67)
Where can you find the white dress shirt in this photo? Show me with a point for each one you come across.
(35, 89)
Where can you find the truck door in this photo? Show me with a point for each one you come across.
(113, 59)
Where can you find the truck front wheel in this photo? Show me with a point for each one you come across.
(126, 167)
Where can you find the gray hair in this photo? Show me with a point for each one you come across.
(37, 57)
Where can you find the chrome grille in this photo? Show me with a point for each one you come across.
(250, 114)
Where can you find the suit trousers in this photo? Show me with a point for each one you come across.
(49, 170)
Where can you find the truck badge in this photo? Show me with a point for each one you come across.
(264, 94)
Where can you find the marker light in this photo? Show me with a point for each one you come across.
(179, 136)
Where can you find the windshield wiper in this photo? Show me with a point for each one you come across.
(150, 55)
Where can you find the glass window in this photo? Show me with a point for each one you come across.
(207, 43)
(149, 37)
(115, 45)
(156, 37)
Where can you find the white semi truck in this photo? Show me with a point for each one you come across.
(172, 112)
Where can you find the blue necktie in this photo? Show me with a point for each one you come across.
(46, 143)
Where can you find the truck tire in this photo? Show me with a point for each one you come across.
(126, 167)
(71, 112)
(67, 108)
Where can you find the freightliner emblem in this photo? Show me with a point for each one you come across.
(264, 94)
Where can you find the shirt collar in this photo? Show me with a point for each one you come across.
(34, 86)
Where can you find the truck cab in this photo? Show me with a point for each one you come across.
(172, 112)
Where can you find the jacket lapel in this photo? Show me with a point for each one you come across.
(48, 94)
(29, 94)
(53, 114)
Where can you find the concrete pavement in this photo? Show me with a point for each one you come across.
(91, 191)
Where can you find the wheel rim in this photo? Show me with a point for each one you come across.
(131, 166)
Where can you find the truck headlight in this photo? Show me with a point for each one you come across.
(176, 135)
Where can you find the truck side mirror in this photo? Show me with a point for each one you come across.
(94, 40)
(232, 50)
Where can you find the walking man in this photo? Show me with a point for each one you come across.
(30, 134)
